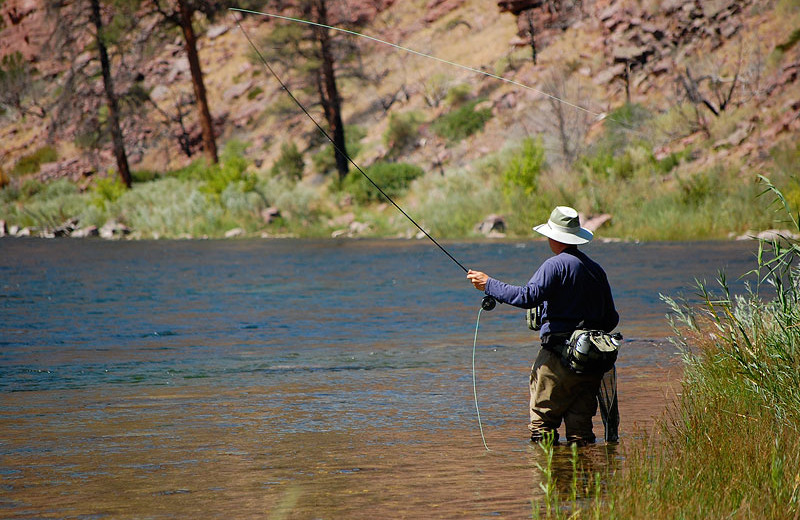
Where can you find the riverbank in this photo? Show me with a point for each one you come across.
(728, 447)
(234, 199)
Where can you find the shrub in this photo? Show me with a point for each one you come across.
(290, 163)
(30, 163)
(144, 175)
(402, 131)
(215, 178)
(393, 179)
(254, 92)
(107, 190)
(451, 204)
(524, 168)
(462, 122)
(458, 95)
(324, 161)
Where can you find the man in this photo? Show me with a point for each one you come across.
(574, 293)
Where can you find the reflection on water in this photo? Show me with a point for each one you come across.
(295, 379)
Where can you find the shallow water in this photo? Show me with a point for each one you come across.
(296, 379)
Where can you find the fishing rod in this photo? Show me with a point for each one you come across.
(342, 152)
(487, 304)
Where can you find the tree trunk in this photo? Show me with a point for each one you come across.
(209, 142)
(111, 97)
(531, 33)
(329, 93)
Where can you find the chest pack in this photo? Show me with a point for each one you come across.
(591, 351)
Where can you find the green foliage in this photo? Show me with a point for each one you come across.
(30, 188)
(402, 131)
(215, 178)
(698, 188)
(254, 93)
(462, 122)
(39, 205)
(450, 205)
(324, 161)
(790, 42)
(144, 175)
(16, 80)
(290, 163)
(31, 163)
(522, 171)
(435, 89)
(458, 95)
(623, 165)
(787, 172)
(739, 410)
(393, 178)
(107, 190)
(617, 126)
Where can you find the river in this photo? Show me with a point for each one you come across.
(298, 379)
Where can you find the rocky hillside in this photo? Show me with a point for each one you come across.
(731, 64)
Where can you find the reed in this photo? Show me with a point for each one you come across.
(581, 497)
(729, 448)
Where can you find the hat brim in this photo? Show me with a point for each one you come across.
(581, 236)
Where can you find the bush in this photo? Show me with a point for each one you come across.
(739, 408)
(254, 93)
(524, 168)
(144, 176)
(451, 204)
(290, 163)
(107, 190)
(324, 161)
(31, 163)
(232, 169)
(458, 95)
(462, 122)
(393, 179)
(402, 132)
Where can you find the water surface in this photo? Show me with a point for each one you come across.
(296, 379)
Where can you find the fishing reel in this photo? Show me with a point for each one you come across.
(488, 303)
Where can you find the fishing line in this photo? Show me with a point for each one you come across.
(474, 384)
(350, 159)
(598, 115)
(488, 303)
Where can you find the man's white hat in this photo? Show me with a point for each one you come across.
(565, 227)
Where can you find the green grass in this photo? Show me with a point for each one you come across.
(729, 447)
(462, 122)
(31, 163)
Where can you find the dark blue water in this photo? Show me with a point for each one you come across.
(305, 378)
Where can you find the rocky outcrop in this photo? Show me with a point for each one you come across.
(638, 40)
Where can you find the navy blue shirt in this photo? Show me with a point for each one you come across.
(572, 289)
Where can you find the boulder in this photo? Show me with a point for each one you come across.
(215, 31)
(270, 215)
(237, 90)
(492, 226)
(88, 231)
(770, 234)
(234, 233)
(113, 229)
(595, 222)
(66, 229)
